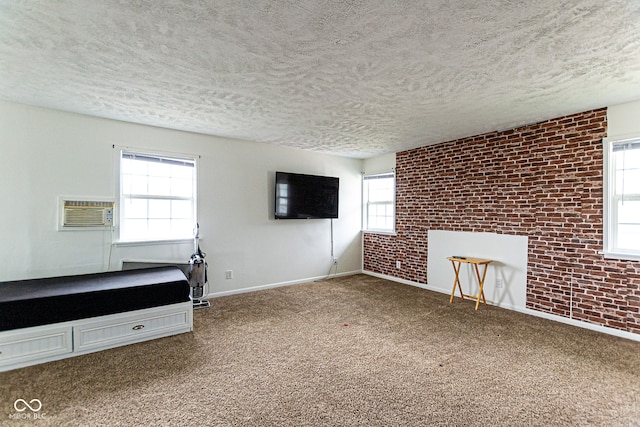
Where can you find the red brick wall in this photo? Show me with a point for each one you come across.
(543, 181)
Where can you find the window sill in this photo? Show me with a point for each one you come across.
(621, 256)
(386, 233)
(153, 242)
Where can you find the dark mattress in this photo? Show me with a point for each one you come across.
(35, 302)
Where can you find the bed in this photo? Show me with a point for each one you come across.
(52, 318)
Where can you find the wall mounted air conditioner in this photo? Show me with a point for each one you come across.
(83, 214)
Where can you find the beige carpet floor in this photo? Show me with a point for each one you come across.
(352, 351)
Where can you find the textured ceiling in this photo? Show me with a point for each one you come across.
(354, 77)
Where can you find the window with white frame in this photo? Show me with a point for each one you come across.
(622, 202)
(157, 197)
(379, 202)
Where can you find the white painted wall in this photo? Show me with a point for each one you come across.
(47, 153)
(379, 164)
(509, 255)
(623, 121)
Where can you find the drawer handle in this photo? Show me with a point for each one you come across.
(137, 327)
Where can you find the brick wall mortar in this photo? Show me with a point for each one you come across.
(543, 181)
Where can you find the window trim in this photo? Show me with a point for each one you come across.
(365, 203)
(610, 202)
(171, 156)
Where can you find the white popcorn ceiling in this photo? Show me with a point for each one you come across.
(354, 78)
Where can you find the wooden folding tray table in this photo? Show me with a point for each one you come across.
(457, 263)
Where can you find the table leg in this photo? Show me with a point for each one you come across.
(456, 281)
(481, 285)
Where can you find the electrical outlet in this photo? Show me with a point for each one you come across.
(499, 282)
(228, 274)
(398, 265)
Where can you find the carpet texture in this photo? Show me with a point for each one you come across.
(352, 351)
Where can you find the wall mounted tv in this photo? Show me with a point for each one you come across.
(300, 196)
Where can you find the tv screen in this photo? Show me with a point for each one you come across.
(301, 196)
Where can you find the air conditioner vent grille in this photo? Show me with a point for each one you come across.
(87, 213)
(87, 204)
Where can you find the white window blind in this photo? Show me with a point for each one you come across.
(157, 197)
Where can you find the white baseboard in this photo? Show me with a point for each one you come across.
(554, 317)
(581, 324)
(279, 284)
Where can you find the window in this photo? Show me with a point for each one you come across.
(157, 197)
(379, 202)
(622, 199)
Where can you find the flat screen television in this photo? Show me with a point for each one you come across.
(300, 196)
